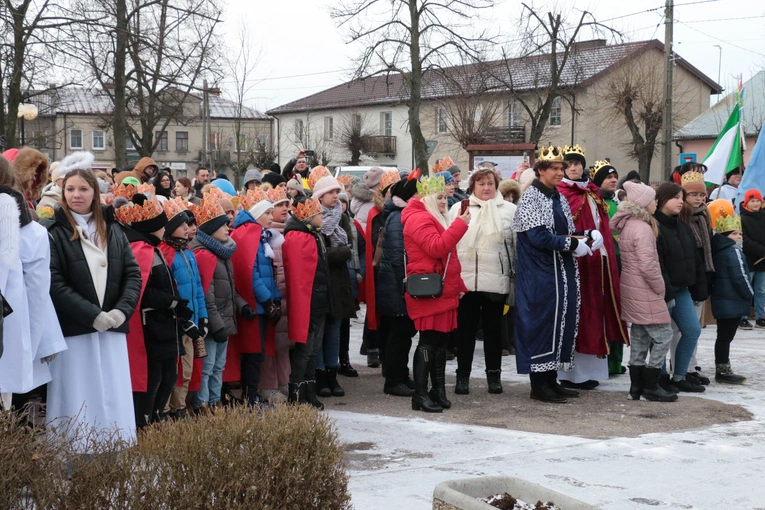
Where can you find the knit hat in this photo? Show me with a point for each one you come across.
(225, 186)
(10, 154)
(343, 196)
(253, 174)
(454, 169)
(574, 153)
(296, 185)
(693, 182)
(273, 179)
(55, 174)
(325, 185)
(130, 180)
(317, 173)
(639, 193)
(372, 177)
(720, 208)
(749, 195)
(407, 188)
(600, 171)
(448, 178)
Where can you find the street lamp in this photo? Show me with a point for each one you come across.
(27, 111)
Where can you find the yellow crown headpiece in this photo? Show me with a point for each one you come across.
(207, 210)
(598, 166)
(727, 223)
(132, 213)
(575, 149)
(316, 174)
(174, 207)
(443, 165)
(306, 210)
(125, 191)
(146, 189)
(430, 186)
(252, 197)
(388, 178)
(551, 153)
(276, 195)
(689, 177)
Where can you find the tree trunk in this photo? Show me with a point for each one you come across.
(119, 119)
(644, 165)
(14, 85)
(419, 146)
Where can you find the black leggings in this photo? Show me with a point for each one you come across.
(163, 375)
(433, 338)
(488, 307)
(726, 330)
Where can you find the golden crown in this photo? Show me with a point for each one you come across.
(132, 213)
(125, 191)
(252, 197)
(146, 189)
(598, 166)
(316, 174)
(431, 185)
(727, 223)
(689, 177)
(306, 210)
(174, 207)
(216, 193)
(551, 153)
(443, 165)
(389, 177)
(344, 180)
(208, 209)
(576, 149)
(276, 195)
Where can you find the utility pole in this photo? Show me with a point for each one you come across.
(204, 124)
(667, 112)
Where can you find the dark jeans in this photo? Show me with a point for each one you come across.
(435, 339)
(488, 307)
(345, 340)
(726, 330)
(163, 375)
(398, 342)
(303, 357)
(251, 362)
(369, 336)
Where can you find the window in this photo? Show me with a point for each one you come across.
(329, 126)
(162, 137)
(213, 142)
(75, 139)
(262, 140)
(386, 123)
(99, 140)
(181, 141)
(514, 114)
(241, 143)
(299, 129)
(555, 112)
(441, 120)
(356, 123)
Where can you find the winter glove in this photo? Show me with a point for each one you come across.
(48, 359)
(103, 322)
(203, 327)
(597, 239)
(183, 311)
(191, 330)
(275, 313)
(220, 336)
(671, 304)
(248, 313)
(117, 316)
(582, 249)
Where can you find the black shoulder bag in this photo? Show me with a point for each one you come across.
(421, 286)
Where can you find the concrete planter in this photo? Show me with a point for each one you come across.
(462, 494)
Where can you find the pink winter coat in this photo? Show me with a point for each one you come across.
(642, 284)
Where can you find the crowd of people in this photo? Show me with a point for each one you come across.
(132, 297)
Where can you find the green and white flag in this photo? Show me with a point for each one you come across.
(725, 155)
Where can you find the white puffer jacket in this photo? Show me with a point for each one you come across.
(488, 268)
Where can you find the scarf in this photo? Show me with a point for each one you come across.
(177, 243)
(85, 221)
(221, 250)
(265, 237)
(331, 227)
(700, 230)
(485, 227)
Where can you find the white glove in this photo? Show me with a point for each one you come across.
(582, 249)
(103, 322)
(597, 239)
(117, 316)
(48, 359)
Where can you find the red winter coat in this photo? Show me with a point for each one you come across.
(427, 246)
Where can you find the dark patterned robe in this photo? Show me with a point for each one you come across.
(546, 282)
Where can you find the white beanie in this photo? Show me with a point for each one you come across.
(257, 210)
(325, 185)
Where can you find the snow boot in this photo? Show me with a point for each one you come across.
(322, 387)
(541, 390)
(494, 381)
(649, 383)
(424, 357)
(310, 395)
(334, 387)
(295, 393)
(373, 358)
(438, 379)
(636, 381)
(724, 375)
(346, 369)
(667, 383)
(557, 388)
(696, 377)
(463, 385)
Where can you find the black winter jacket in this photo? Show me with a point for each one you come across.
(343, 305)
(72, 289)
(321, 302)
(389, 285)
(678, 255)
(753, 225)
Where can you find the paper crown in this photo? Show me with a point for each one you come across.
(389, 177)
(276, 195)
(576, 149)
(344, 180)
(216, 193)
(306, 210)
(598, 166)
(146, 189)
(689, 177)
(316, 174)
(132, 213)
(174, 207)
(550, 153)
(252, 197)
(727, 223)
(443, 165)
(207, 210)
(431, 185)
(125, 191)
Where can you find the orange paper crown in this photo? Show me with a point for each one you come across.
(124, 191)
(174, 207)
(389, 177)
(216, 193)
(146, 189)
(276, 195)
(316, 174)
(207, 210)
(132, 213)
(252, 197)
(443, 165)
(344, 180)
(306, 210)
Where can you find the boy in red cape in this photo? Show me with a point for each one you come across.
(306, 272)
(600, 311)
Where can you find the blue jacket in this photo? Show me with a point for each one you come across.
(263, 277)
(732, 294)
(186, 275)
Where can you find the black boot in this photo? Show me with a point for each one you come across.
(346, 369)
(650, 386)
(636, 381)
(463, 385)
(334, 388)
(424, 356)
(724, 375)
(554, 385)
(310, 395)
(294, 392)
(322, 388)
(373, 358)
(438, 378)
(494, 381)
(540, 389)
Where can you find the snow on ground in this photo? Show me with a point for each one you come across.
(397, 462)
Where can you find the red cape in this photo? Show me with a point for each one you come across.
(600, 313)
(206, 261)
(168, 252)
(300, 261)
(139, 371)
(369, 278)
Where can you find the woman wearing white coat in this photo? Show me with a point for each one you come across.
(484, 254)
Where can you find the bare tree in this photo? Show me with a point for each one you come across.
(306, 134)
(353, 131)
(411, 38)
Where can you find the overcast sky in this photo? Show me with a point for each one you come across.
(303, 52)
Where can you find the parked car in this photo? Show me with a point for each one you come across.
(357, 171)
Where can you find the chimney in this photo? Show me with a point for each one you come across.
(215, 91)
(587, 45)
